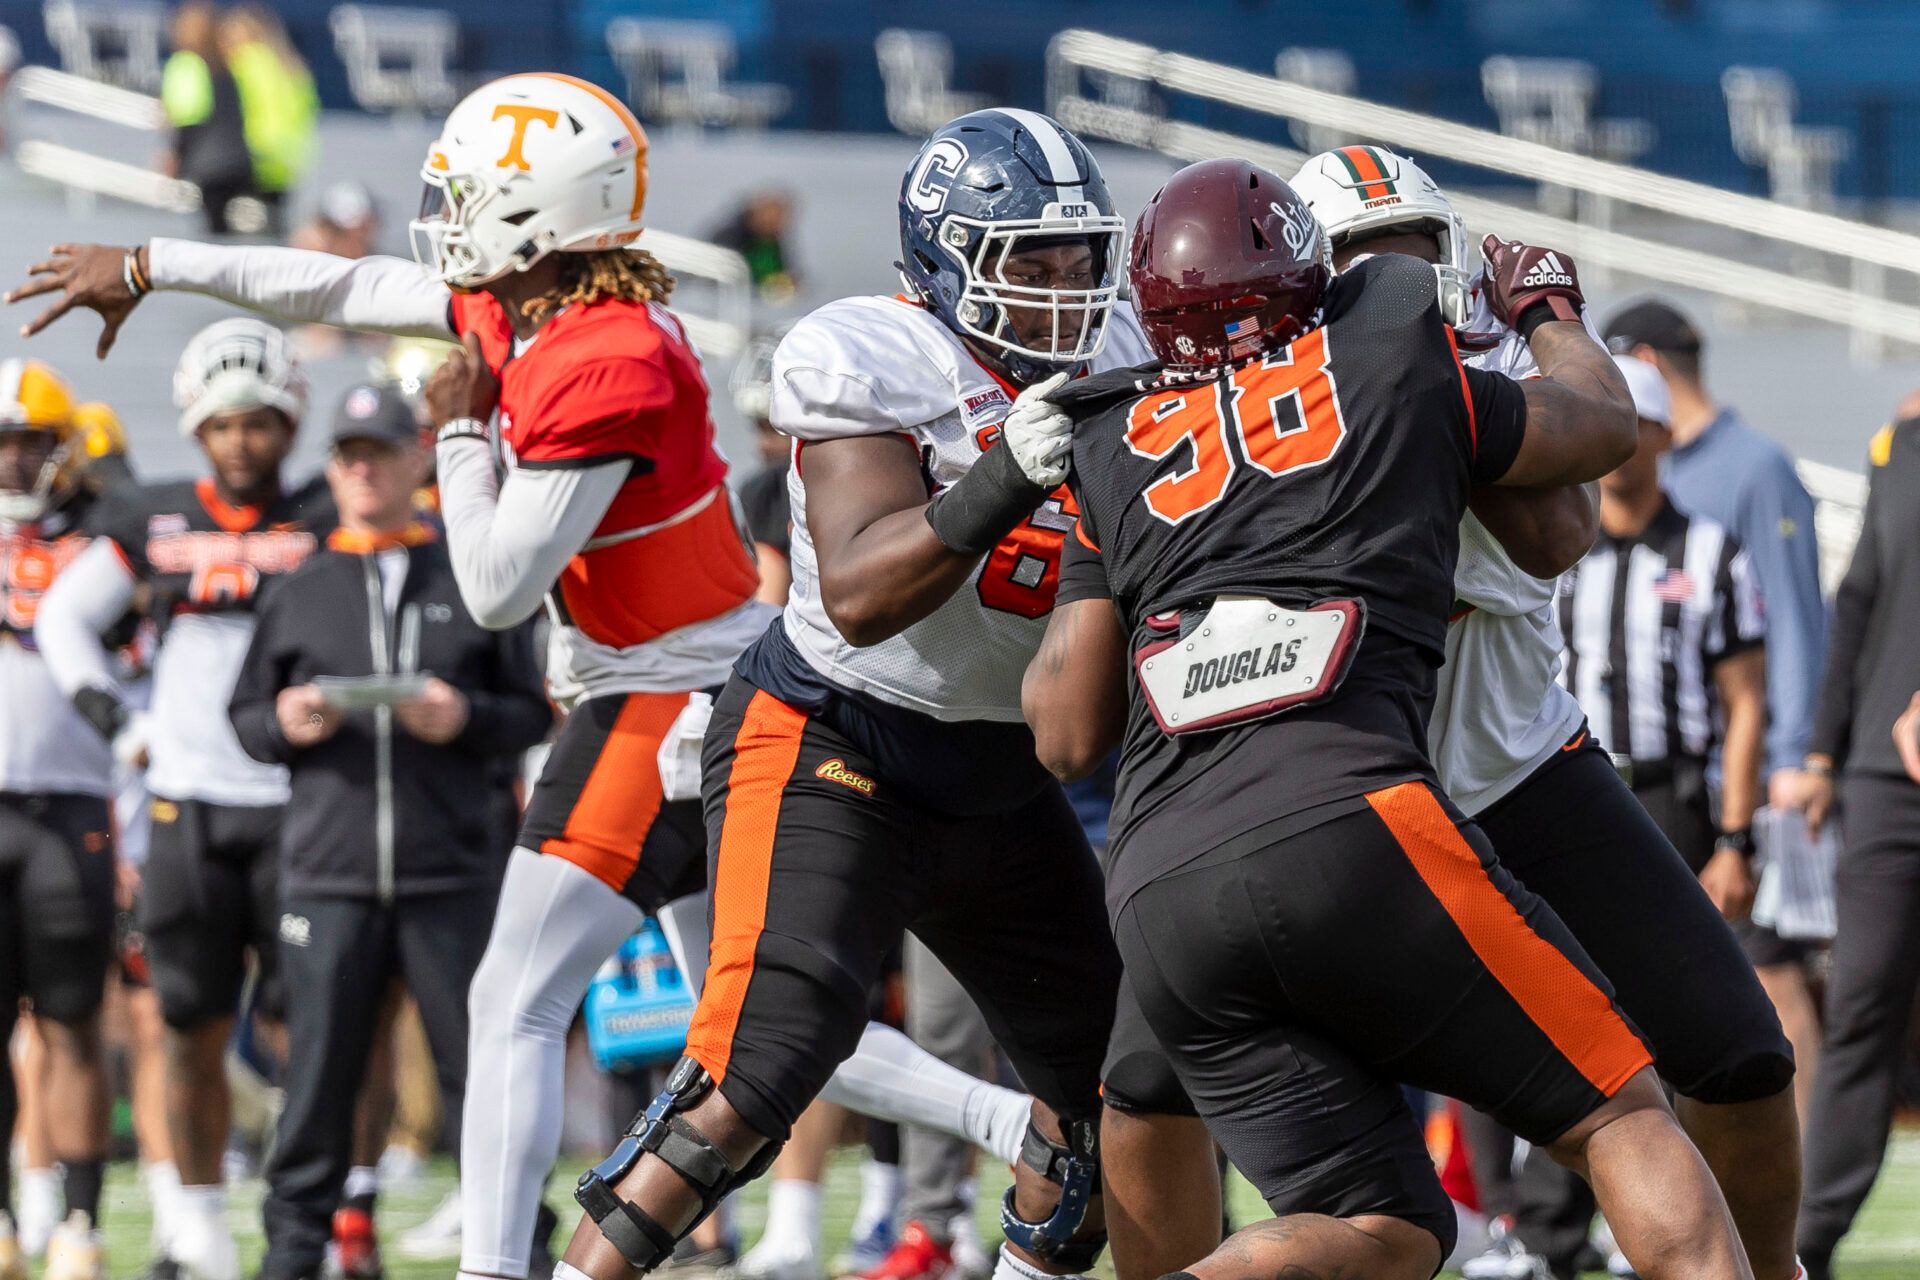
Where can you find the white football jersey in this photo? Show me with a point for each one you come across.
(879, 366)
(1498, 712)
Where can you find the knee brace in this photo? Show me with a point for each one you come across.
(663, 1131)
(1075, 1169)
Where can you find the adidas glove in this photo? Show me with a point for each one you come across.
(1528, 286)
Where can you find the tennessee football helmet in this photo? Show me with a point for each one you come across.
(33, 398)
(1361, 191)
(237, 364)
(1228, 263)
(528, 165)
(983, 188)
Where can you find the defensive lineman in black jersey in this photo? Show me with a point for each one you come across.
(198, 553)
(1267, 538)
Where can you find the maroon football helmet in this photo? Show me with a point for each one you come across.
(1227, 263)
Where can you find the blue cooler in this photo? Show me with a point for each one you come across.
(639, 1005)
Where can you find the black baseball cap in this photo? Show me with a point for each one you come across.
(371, 412)
(1652, 324)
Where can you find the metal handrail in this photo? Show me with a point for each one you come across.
(86, 171)
(1485, 149)
(724, 333)
(1670, 264)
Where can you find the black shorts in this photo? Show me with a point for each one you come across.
(1574, 834)
(1137, 1075)
(1298, 974)
(56, 903)
(819, 862)
(1682, 808)
(598, 803)
(208, 896)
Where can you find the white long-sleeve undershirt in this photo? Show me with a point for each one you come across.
(88, 597)
(381, 294)
(509, 541)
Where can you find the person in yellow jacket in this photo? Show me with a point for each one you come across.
(278, 104)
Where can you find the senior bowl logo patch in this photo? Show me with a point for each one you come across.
(835, 770)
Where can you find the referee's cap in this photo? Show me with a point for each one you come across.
(1651, 399)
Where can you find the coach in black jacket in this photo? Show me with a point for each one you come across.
(388, 868)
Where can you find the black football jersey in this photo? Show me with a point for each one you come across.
(196, 553)
(203, 564)
(1337, 469)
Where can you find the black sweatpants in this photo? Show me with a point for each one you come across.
(1876, 965)
(337, 956)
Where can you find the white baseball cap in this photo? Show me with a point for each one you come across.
(1650, 397)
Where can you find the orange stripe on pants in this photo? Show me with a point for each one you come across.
(1561, 1000)
(608, 824)
(765, 751)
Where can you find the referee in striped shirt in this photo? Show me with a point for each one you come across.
(1663, 633)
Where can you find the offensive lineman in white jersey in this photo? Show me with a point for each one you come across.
(1512, 749)
(867, 767)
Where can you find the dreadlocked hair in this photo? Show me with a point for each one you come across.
(620, 275)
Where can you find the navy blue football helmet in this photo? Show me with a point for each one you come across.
(985, 187)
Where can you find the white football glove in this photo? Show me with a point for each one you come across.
(1039, 434)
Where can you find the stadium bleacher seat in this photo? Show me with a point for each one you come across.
(917, 69)
(1800, 160)
(1329, 70)
(119, 43)
(677, 72)
(397, 59)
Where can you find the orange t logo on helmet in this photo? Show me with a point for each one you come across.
(522, 116)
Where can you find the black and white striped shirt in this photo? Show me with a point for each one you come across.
(1644, 619)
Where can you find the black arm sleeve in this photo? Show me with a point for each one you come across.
(1083, 574)
(512, 712)
(1496, 422)
(1852, 611)
(253, 709)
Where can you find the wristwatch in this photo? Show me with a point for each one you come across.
(1741, 842)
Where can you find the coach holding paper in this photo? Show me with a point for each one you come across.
(388, 868)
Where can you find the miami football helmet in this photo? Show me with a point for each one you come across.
(1362, 191)
(241, 363)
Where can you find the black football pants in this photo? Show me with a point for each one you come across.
(338, 956)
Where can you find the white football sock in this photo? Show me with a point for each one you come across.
(879, 1197)
(362, 1180)
(793, 1220)
(556, 924)
(162, 1181)
(890, 1077)
(1008, 1267)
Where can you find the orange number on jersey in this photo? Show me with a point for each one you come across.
(30, 571)
(1276, 438)
(222, 582)
(1279, 438)
(1022, 572)
(1159, 425)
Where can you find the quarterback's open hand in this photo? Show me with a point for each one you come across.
(1040, 435)
(84, 275)
(463, 386)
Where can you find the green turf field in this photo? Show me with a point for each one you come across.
(1884, 1246)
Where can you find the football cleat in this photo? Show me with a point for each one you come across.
(437, 1237)
(355, 1251)
(868, 1251)
(1507, 1259)
(74, 1252)
(13, 1263)
(918, 1256)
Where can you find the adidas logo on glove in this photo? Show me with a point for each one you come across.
(1547, 271)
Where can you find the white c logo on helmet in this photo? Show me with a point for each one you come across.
(933, 176)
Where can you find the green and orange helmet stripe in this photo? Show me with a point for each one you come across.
(1366, 165)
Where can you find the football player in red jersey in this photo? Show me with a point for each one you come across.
(613, 509)
(1267, 541)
